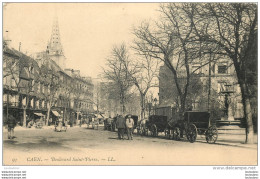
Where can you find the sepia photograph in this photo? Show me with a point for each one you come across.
(130, 84)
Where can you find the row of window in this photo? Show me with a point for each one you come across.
(221, 68)
(17, 100)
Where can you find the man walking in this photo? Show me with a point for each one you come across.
(11, 125)
(120, 123)
(129, 127)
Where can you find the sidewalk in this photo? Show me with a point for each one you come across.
(20, 128)
(232, 140)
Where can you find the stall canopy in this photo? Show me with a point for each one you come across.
(38, 114)
(55, 113)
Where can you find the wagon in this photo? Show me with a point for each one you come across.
(156, 124)
(195, 123)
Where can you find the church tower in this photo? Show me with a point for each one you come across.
(54, 48)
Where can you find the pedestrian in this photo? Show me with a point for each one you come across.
(129, 127)
(11, 125)
(59, 124)
(87, 121)
(30, 124)
(120, 124)
(97, 122)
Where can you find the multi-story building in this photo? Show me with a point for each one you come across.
(39, 87)
(210, 86)
(22, 86)
(11, 95)
(81, 98)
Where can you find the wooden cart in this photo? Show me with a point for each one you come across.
(195, 123)
(155, 124)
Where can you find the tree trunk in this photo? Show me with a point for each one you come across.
(182, 108)
(142, 103)
(48, 116)
(65, 114)
(123, 103)
(77, 117)
(123, 108)
(247, 113)
(24, 117)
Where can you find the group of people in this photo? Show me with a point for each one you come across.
(92, 121)
(125, 125)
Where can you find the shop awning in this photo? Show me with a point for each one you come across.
(55, 113)
(38, 114)
(100, 116)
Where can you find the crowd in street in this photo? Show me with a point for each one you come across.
(124, 126)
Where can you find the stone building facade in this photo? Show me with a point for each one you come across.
(207, 91)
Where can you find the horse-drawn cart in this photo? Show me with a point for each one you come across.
(195, 123)
(155, 124)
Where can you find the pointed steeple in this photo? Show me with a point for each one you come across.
(54, 48)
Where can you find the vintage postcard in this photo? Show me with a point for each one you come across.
(130, 84)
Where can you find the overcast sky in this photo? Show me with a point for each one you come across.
(88, 30)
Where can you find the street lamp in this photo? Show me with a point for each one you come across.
(155, 105)
(155, 101)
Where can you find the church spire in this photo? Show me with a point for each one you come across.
(55, 44)
(54, 48)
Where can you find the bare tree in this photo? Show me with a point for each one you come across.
(51, 77)
(117, 72)
(11, 70)
(145, 77)
(98, 96)
(67, 86)
(232, 27)
(79, 96)
(172, 41)
(23, 76)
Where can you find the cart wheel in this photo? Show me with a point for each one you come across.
(191, 133)
(212, 134)
(176, 133)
